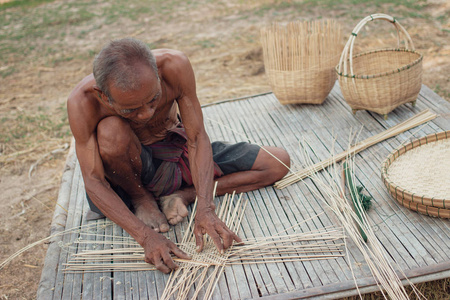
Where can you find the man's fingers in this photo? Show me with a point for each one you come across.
(217, 240)
(169, 261)
(179, 253)
(227, 237)
(159, 264)
(237, 239)
(199, 241)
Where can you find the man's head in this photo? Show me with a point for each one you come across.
(117, 63)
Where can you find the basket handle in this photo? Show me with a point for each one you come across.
(347, 53)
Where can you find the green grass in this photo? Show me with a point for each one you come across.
(356, 9)
(444, 93)
(23, 3)
(38, 29)
(8, 71)
(22, 128)
(205, 43)
(30, 30)
(24, 34)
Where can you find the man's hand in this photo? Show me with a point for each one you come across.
(206, 221)
(157, 252)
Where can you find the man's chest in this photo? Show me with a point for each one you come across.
(156, 129)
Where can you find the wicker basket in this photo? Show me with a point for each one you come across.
(299, 59)
(380, 80)
(417, 175)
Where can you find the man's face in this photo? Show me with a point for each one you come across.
(138, 106)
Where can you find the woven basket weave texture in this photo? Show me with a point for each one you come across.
(299, 59)
(417, 175)
(380, 80)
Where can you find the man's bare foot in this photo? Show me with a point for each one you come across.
(149, 213)
(174, 207)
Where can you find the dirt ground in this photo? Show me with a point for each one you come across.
(221, 39)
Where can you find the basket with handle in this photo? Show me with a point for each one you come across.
(383, 79)
(299, 59)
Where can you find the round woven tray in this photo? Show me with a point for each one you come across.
(417, 175)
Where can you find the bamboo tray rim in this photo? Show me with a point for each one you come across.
(397, 191)
(421, 208)
(398, 70)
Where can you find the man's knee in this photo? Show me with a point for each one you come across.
(114, 137)
(274, 162)
(282, 165)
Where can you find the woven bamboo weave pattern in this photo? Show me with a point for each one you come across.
(417, 174)
(423, 209)
(424, 170)
(299, 59)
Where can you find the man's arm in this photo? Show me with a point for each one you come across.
(200, 160)
(83, 123)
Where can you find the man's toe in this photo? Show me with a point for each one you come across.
(183, 212)
(164, 227)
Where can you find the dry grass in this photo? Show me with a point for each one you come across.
(436, 290)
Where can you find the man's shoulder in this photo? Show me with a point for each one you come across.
(82, 89)
(170, 60)
(168, 56)
(81, 96)
(82, 107)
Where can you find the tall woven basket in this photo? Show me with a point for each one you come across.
(380, 80)
(299, 59)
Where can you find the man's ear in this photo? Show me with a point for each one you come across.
(102, 95)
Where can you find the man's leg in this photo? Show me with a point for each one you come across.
(265, 171)
(120, 150)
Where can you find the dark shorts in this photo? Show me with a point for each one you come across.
(231, 158)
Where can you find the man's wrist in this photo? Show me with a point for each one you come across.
(205, 206)
(144, 234)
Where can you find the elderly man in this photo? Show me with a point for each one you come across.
(144, 153)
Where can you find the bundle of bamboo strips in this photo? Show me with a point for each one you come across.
(383, 269)
(415, 121)
(266, 250)
(299, 59)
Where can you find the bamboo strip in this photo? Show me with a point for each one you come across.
(374, 253)
(415, 121)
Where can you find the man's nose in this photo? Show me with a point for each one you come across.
(146, 112)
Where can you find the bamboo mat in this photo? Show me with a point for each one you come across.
(419, 244)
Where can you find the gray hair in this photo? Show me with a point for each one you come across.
(115, 64)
